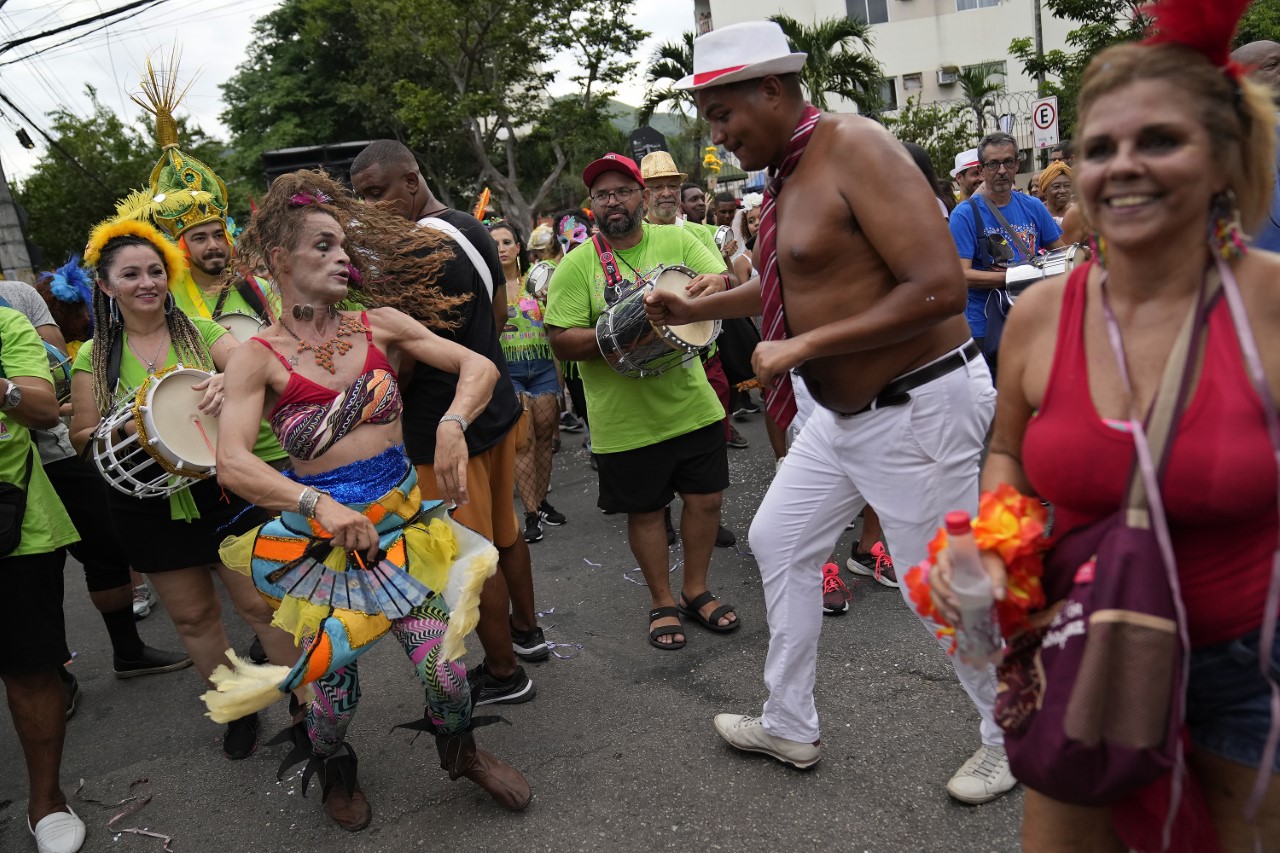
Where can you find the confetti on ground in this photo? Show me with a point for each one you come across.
(577, 647)
(543, 614)
(627, 575)
(589, 563)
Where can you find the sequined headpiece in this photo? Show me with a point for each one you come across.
(182, 192)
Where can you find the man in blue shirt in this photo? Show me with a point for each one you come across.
(986, 246)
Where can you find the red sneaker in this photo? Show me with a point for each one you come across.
(835, 595)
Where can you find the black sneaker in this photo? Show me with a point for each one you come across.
(550, 515)
(256, 652)
(487, 690)
(150, 662)
(736, 439)
(725, 538)
(73, 694)
(532, 527)
(530, 645)
(569, 422)
(241, 737)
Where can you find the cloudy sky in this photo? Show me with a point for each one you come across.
(45, 74)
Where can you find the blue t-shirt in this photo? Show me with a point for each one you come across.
(1268, 230)
(1026, 215)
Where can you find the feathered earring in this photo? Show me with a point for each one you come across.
(1226, 236)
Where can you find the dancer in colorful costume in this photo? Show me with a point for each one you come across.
(356, 552)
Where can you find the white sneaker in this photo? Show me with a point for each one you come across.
(983, 778)
(59, 832)
(748, 734)
(143, 601)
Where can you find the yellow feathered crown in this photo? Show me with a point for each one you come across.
(174, 261)
(183, 192)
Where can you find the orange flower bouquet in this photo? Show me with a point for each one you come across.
(1011, 525)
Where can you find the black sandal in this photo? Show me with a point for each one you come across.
(665, 630)
(712, 623)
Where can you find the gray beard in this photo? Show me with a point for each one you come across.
(631, 223)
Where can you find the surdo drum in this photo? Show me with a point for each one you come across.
(1057, 262)
(636, 348)
(173, 444)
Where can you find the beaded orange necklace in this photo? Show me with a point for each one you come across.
(347, 327)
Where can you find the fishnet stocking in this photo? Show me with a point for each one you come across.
(533, 460)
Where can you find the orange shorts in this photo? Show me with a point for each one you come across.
(491, 483)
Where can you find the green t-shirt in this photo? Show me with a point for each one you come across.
(133, 374)
(628, 413)
(46, 525)
(193, 301)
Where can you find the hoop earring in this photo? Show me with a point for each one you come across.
(169, 304)
(1226, 236)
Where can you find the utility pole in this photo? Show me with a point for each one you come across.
(14, 260)
(1043, 157)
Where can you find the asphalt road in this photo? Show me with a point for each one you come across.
(618, 745)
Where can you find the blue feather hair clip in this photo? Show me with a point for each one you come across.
(71, 283)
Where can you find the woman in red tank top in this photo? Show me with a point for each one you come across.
(1171, 146)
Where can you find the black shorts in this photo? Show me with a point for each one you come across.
(84, 494)
(33, 636)
(154, 542)
(647, 478)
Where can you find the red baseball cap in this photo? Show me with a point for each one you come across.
(611, 163)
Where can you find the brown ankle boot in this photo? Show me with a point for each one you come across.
(344, 802)
(459, 755)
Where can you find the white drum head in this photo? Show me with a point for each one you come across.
(674, 279)
(174, 424)
(241, 326)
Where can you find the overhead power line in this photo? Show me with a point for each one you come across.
(7, 46)
(74, 38)
(53, 143)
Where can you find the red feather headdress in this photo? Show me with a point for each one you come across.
(1205, 26)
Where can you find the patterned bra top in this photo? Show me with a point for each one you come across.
(309, 418)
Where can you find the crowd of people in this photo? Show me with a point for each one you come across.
(336, 411)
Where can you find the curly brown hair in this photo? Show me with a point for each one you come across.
(396, 261)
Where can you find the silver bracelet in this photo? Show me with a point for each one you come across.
(458, 419)
(307, 502)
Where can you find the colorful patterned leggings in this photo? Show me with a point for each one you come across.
(448, 694)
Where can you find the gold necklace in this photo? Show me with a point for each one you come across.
(347, 327)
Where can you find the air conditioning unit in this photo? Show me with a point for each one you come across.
(948, 75)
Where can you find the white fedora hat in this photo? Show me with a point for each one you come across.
(965, 160)
(745, 51)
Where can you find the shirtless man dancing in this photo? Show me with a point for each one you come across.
(874, 301)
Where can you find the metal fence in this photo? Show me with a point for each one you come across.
(1014, 107)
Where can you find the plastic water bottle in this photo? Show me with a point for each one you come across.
(978, 639)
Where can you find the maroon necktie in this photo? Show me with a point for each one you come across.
(782, 396)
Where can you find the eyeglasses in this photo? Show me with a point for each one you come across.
(623, 195)
(1010, 164)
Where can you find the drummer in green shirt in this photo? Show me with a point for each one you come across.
(655, 436)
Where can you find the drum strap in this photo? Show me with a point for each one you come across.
(113, 360)
(613, 280)
(249, 294)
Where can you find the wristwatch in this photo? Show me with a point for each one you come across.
(12, 398)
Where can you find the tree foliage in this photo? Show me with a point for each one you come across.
(1102, 24)
(940, 129)
(1261, 22)
(839, 62)
(671, 62)
(63, 203)
(980, 90)
(463, 84)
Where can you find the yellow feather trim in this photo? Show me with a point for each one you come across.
(174, 261)
(242, 689)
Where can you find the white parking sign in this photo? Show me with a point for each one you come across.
(1044, 119)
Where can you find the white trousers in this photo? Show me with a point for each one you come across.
(913, 463)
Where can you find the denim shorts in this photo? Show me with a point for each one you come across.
(534, 376)
(1228, 700)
